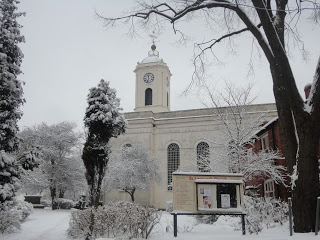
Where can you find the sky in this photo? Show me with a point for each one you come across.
(67, 51)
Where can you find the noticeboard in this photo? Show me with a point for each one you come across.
(207, 192)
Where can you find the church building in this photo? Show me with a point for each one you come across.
(177, 138)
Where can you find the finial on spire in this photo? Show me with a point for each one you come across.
(153, 36)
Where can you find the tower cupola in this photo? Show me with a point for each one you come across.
(152, 83)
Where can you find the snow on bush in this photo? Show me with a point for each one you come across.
(9, 220)
(260, 213)
(206, 219)
(121, 219)
(23, 208)
(264, 212)
(45, 202)
(9, 176)
(63, 203)
(12, 213)
(169, 206)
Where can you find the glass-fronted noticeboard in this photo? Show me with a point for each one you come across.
(208, 192)
(216, 195)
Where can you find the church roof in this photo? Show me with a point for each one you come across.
(195, 113)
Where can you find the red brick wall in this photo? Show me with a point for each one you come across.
(275, 142)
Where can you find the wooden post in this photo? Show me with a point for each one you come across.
(175, 225)
(317, 216)
(290, 215)
(243, 225)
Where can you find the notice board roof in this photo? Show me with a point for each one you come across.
(218, 181)
(208, 174)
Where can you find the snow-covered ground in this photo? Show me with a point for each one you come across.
(45, 224)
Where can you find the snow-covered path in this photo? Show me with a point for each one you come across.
(43, 224)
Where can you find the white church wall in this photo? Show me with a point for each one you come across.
(155, 131)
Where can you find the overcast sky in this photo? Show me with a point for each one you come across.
(67, 51)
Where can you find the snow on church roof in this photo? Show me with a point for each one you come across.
(151, 59)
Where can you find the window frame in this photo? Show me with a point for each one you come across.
(264, 140)
(148, 97)
(205, 153)
(173, 161)
(269, 189)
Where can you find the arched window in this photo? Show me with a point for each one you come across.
(148, 97)
(173, 153)
(203, 155)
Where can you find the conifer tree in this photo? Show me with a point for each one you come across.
(11, 97)
(103, 121)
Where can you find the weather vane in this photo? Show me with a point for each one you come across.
(153, 36)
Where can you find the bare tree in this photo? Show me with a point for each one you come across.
(269, 22)
(55, 145)
(231, 106)
(133, 169)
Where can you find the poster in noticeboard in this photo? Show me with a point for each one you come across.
(225, 200)
(206, 196)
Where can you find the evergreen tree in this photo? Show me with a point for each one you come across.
(10, 87)
(10, 97)
(103, 121)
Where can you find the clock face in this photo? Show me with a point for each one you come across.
(148, 78)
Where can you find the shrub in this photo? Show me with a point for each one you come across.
(206, 219)
(63, 203)
(169, 206)
(9, 221)
(24, 209)
(45, 202)
(114, 220)
(264, 211)
(12, 213)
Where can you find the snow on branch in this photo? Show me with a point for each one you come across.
(133, 168)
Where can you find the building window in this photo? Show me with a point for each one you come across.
(269, 189)
(173, 154)
(265, 142)
(167, 99)
(148, 97)
(203, 155)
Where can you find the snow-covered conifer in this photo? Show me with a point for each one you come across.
(10, 97)
(9, 176)
(11, 93)
(103, 121)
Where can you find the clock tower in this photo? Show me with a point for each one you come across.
(152, 83)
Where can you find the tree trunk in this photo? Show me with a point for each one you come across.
(305, 193)
(299, 129)
(98, 191)
(53, 196)
(300, 136)
(61, 193)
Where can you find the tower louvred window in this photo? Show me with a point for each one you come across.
(148, 96)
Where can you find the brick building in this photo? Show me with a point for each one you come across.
(269, 139)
